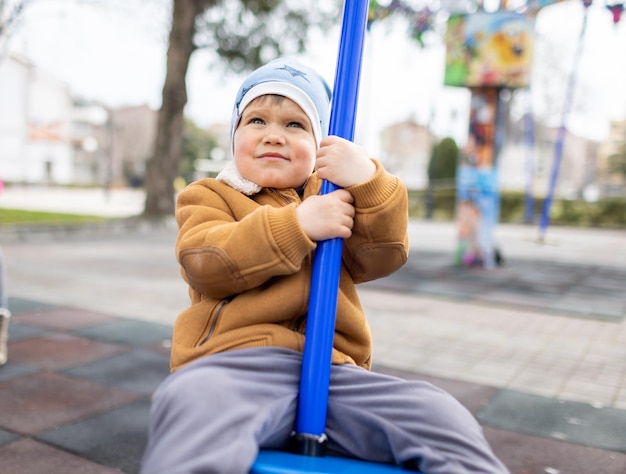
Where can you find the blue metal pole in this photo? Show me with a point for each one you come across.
(529, 142)
(320, 328)
(544, 218)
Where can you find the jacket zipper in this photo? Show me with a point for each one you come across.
(280, 195)
(228, 300)
(214, 323)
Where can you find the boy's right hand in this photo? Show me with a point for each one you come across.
(327, 216)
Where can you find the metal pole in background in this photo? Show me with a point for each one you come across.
(529, 143)
(544, 219)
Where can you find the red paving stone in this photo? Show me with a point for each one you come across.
(30, 405)
(64, 318)
(27, 456)
(60, 351)
(524, 454)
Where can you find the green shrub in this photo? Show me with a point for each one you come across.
(443, 161)
(603, 213)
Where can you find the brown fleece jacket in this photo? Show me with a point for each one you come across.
(248, 265)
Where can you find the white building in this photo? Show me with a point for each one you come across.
(35, 125)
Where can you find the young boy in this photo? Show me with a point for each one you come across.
(245, 245)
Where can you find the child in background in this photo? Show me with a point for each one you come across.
(245, 245)
(5, 314)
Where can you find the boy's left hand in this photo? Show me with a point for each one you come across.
(343, 163)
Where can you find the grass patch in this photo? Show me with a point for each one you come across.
(18, 216)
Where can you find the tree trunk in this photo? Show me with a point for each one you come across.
(163, 166)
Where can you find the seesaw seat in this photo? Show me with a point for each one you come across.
(281, 462)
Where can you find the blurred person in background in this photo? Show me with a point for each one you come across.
(5, 314)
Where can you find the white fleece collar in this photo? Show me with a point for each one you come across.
(231, 176)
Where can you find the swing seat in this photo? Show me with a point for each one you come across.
(281, 462)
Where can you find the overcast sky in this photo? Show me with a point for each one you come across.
(117, 56)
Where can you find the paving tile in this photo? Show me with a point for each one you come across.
(508, 296)
(575, 422)
(585, 390)
(63, 318)
(493, 372)
(116, 438)
(582, 305)
(441, 365)
(538, 381)
(7, 437)
(20, 305)
(558, 347)
(44, 400)
(163, 347)
(19, 332)
(599, 372)
(620, 400)
(30, 457)
(58, 351)
(131, 332)
(604, 279)
(13, 369)
(577, 290)
(605, 350)
(524, 454)
(550, 278)
(138, 371)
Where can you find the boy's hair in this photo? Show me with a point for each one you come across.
(288, 78)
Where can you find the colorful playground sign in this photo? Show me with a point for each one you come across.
(489, 50)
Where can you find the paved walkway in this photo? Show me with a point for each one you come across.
(536, 349)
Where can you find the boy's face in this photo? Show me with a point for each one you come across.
(274, 145)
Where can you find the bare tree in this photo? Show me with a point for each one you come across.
(10, 15)
(163, 166)
(243, 34)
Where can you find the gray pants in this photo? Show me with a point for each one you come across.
(213, 415)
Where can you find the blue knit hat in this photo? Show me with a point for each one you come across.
(291, 79)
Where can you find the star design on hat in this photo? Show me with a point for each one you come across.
(294, 72)
(244, 91)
